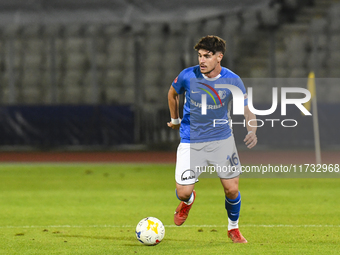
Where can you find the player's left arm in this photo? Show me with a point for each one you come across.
(251, 138)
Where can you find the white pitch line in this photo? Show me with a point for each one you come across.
(173, 226)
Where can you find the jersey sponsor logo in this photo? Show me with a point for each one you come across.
(208, 92)
(176, 79)
(188, 175)
(209, 106)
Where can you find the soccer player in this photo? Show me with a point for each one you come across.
(205, 141)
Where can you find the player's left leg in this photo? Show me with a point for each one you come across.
(233, 207)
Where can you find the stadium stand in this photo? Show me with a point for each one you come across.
(99, 57)
(125, 53)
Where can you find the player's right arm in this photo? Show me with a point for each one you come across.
(173, 101)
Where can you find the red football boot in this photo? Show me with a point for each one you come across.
(236, 236)
(182, 212)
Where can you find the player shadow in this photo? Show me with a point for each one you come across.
(130, 238)
(163, 241)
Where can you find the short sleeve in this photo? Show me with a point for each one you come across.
(178, 83)
(244, 91)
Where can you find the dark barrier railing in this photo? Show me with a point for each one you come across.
(53, 127)
(63, 125)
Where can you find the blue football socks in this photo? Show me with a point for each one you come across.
(233, 207)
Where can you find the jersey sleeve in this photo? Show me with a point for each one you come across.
(242, 87)
(178, 83)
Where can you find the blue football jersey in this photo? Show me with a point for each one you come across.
(198, 125)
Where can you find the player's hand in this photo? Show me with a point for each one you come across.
(170, 125)
(250, 140)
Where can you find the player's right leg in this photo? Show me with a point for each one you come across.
(186, 178)
(186, 194)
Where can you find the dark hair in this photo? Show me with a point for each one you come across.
(211, 43)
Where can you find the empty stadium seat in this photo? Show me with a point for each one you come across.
(155, 29)
(318, 26)
(292, 3)
(129, 95)
(32, 30)
(334, 12)
(72, 79)
(213, 27)
(12, 30)
(31, 95)
(281, 59)
(334, 73)
(250, 21)
(231, 25)
(334, 42)
(115, 52)
(75, 61)
(72, 95)
(53, 30)
(154, 44)
(128, 80)
(16, 47)
(101, 60)
(152, 60)
(281, 72)
(73, 30)
(296, 43)
(129, 62)
(150, 78)
(75, 44)
(113, 77)
(114, 94)
(33, 62)
(333, 61)
(298, 73)
(171, 60)
(192, 29)
(270, 15)
(258, 72)
(152, 95)
(321, 57)
(297, 60)
(176, 27)
(113, 30)
(35, 45)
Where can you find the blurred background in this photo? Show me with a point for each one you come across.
(94, 74)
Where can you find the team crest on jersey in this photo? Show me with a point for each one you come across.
(222, 93)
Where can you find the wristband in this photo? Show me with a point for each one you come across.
(250, 132)
(176, 121)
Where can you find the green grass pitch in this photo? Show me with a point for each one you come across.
(94, 208)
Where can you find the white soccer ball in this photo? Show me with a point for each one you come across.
(150, 231)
